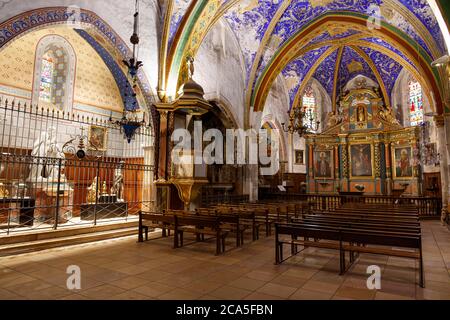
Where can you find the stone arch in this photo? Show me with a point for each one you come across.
(36, 19)
(400, 98)
(65, 71)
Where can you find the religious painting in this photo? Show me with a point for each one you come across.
(361, 160)
(323, 164)
(97, 138)
(403, 162)
(299, 157)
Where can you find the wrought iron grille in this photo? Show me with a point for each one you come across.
(47, 183)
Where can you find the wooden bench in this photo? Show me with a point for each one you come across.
(231, 222)
(157, 221)
(201, 226)
(180, 224)
(350, 238)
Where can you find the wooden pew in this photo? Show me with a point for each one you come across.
(351, 238)
(181, 224)
(202, 225)
(155, 220)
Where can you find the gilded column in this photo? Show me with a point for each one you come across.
(344, 164)
(336, 168)
(387, 155)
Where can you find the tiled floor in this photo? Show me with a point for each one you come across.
(124, 269)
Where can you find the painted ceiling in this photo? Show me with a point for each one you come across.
(264, 27)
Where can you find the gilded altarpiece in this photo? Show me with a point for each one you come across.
(364, 149)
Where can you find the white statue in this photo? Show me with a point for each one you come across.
(46, 153)
(118, 184)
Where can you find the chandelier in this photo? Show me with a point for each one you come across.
(301, 122)
(130, 122)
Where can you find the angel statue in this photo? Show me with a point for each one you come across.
(190, 66)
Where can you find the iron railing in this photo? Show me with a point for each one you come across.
(45, 184)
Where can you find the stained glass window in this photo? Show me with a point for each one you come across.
(415, 103)
(47, 76)
(310, 109)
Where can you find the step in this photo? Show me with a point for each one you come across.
(37, 235)
(39, 245)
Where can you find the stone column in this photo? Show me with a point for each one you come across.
(442, 147)
(148, 188)
(163, 146)
(251, 181)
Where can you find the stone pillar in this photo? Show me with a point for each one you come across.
(442, 147)
(148, 188)
(163, 146)
(251, 181)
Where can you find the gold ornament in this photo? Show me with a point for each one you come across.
(4, 193)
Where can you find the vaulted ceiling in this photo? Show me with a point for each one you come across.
(329, 40)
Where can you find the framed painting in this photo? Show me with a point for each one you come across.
(323, 164)
(403, 162)
(98, 138)
(361, 161)
(299, 157)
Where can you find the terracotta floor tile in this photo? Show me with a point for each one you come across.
(355, 293)
(255, 296)
(153, 289)
(230, 293)
(277, 290)
(247, 283)
(387, 296)
(102, 292)
(203, 286)
(129, 283)
(123, 269)
(289, 281)
(180, 294)
(303, 294)
(319, 286)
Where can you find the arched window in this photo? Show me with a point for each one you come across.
(415, 103)
(310, 109)
(47, 78)
(54, 73)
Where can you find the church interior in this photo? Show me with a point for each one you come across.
(225, 150)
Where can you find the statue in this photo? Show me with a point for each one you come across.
(104, 188)
(92, 192)
(118, 184)
(386, 115)
(4, 193)
(333, 119)
(190, 67)
(45, 152)
(360, 114)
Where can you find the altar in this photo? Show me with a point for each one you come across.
(364, 149)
